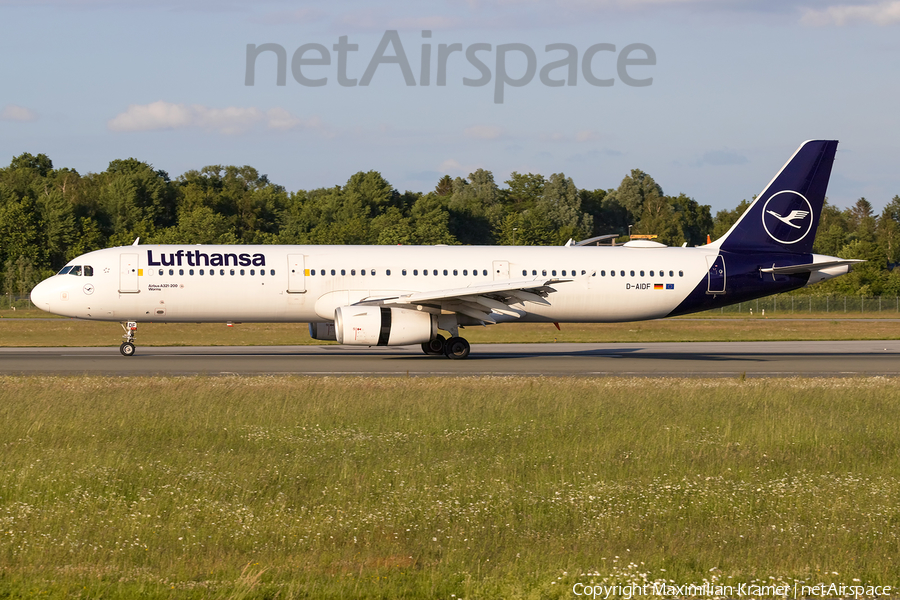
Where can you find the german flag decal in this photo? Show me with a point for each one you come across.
(658, 286)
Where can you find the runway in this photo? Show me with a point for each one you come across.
(700, 359)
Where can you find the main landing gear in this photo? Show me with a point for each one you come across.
(455, 347)
(127, 347)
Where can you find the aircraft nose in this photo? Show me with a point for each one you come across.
(40, 295)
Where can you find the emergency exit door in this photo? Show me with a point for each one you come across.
(296, 274)
(501, 269)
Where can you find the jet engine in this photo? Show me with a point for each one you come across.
(383, 326)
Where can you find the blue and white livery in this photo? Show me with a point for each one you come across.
(400, 295)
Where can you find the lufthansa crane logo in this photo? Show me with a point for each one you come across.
(787, 217)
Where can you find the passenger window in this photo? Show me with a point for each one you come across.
(622, 273)
(484, 272)
(362, 272)
(425, 272)
(445, 272)
(564, 273)
(403, 272)
(534, 271)
(372, 272)
(387, 272)
(221, 271)
(415, 271)
(681, 273)
(671, 274)
(642, 273)
(554, 272)
(242, 271)
(353, 271)
(632, 273)
(455, 272)
(332, 272)
(651, 273)
(435, 273)
(171, 271)
(612, 273)
(181, 271)
(232, 271)
(160, 271)
(544, 272)
(475, 272)
(252, 272)
(271, 271)
(583, 272)
(602, 273)
(202, 272)
(465, 272)
(343, 271)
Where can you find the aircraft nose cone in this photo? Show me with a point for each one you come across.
(40, 295)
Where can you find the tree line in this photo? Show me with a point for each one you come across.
(50, 215)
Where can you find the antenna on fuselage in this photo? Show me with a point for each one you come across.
(136, 240)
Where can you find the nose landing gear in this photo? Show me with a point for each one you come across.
(127, 347)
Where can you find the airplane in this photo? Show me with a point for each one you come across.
(405, 295)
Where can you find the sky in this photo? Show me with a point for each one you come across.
(710, 97)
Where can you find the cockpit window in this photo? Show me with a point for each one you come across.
(77, 270)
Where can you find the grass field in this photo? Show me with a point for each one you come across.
(17, 331)
(441, 488)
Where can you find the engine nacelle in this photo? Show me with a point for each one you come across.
(322, 331)
(383, 326)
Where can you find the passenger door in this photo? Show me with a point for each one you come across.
(128, 274)
(716, 275)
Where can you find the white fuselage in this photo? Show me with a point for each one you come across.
(307, 283)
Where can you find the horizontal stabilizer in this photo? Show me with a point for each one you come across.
(809, 268)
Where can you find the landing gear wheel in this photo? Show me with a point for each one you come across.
(127, 347)
(456, 348)
(435, 347)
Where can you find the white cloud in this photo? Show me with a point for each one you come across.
(484, 132)
(882, 13)
(451, 166)
(587, 135)
(14, 112)
(230, 120)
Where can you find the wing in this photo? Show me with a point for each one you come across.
(507, 297)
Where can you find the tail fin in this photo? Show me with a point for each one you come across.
(784, 217)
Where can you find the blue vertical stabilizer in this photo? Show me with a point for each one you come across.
(784, 217)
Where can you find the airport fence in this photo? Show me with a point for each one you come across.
(8, 302)
(791, 304)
